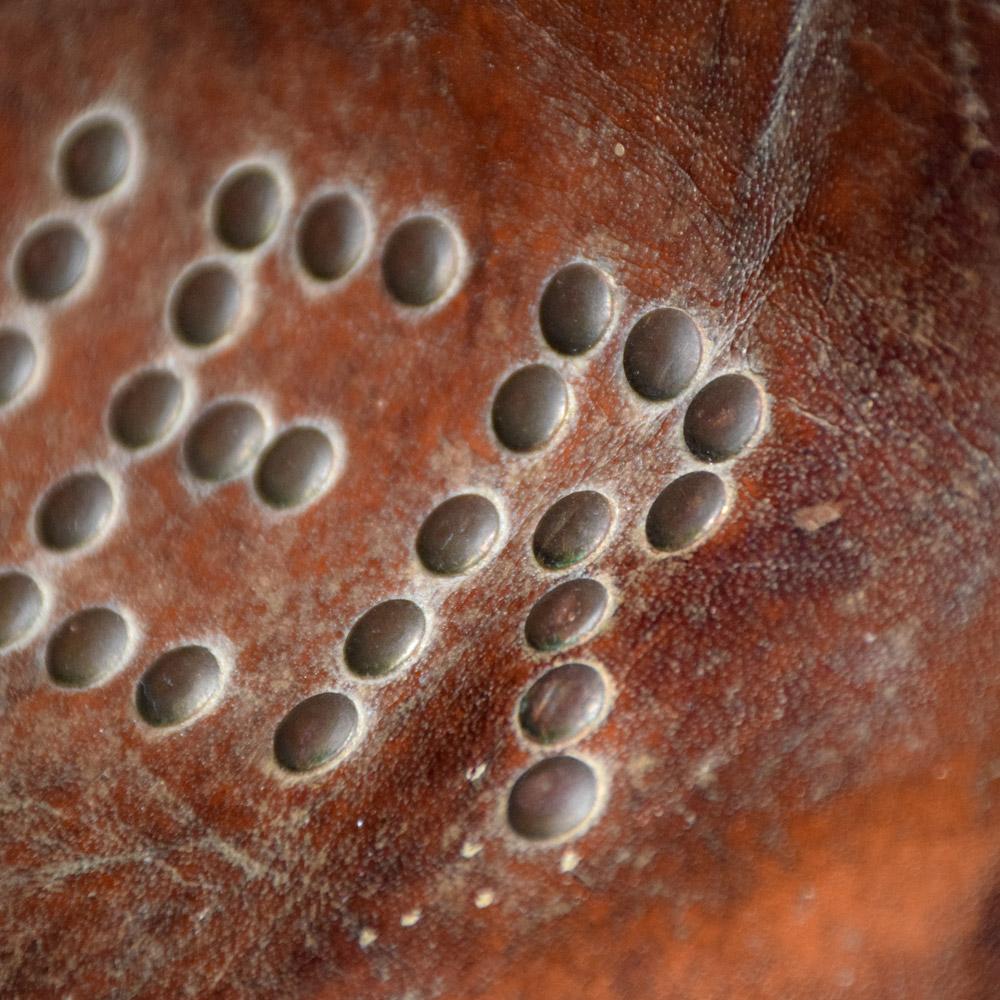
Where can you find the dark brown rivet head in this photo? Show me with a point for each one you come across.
(74, 511)
(51, 261)
(224, 441)
(572, 529)
(420, 260)
(723, 417)
(552, 799)
(205, 304)
(87, 648)
(529, 407)
(458, 534)
(315, 732)
(146, 407)
(662, 354)
(20, 606)
(576, 308)
(94, 158)
(563, 703)
(332, 236)
(566, 615)
(384, 638)
(178, 686)
(247, 208)
(17, 363)
(295, 467)
(686, 511)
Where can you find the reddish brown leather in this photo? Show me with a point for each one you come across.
(804, 747)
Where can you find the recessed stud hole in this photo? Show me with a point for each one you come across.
(295, 467)
(332, 236)
(87, 648)
(179, 685)
(458, 534)
(576, 308)
(315, 731)
(421, 260)
(51, 261)
(224, 441)
(529, 407)
(247, 207)
(205, 304)
(146, 407)
(17, 363)
(552, 799)
(74, 511)
(566, 615)
(94, 158)
(20, 606)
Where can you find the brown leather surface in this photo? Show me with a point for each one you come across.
(803, 753)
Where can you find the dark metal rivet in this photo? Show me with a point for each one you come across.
(247, 208)
(205, 304)
(51, 261)
(74, 511)
(20, 606)
(529, 407)
(17, 363)
(315, 731)
(571, 529)
(87, 648)
(563, 703)
(146, 407)
(94, 158)
(332, 236)
(552, 798)
(576, 308)
(295, 467)
(566, 615)
(420, 260)
(458, 534)
(662, 354)
(384, 637)
(723, 417)
(224, 441)
(685, 511)
(178, 685)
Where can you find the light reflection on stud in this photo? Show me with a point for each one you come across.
(563, 703)
(566, 615)
(332, 236)
(74, 511)
(247, 207)
(552, 799)
(51, 260)
(179, 685)
(224, 441)
(576, 308)
(94, 158)
(146, 407)
(295, 467)
(421, 260)
(686, 511)
(529, 407)
(458, 534)
(572, 529)
(723, 417)
(205, 304)
(87, 648)
(315, 732)
(384, 638)
(18, 359)
(20, 606)
(662, 354)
